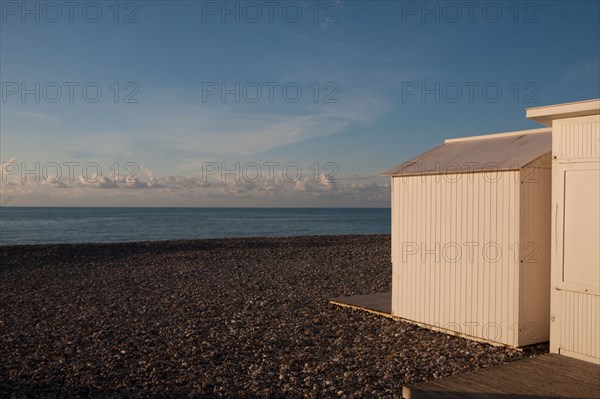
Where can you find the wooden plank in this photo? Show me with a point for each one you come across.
(549, 376)
(569, 369)
(538, 382)
(452, 387)
(380, 304)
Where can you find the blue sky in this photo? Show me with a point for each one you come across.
(380, 82)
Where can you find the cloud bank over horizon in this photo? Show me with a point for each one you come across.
(28, 188)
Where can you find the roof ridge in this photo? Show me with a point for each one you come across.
(499, 135)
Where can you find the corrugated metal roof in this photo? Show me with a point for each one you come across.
(509, 152)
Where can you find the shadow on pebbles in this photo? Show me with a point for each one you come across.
(245, 318)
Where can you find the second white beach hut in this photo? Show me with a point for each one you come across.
(471, 237)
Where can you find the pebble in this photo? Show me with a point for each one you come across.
(242, 318)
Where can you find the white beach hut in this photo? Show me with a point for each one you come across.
(471, 237)
(575, 232)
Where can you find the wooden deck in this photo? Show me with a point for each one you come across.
(546, 376)
(380, 304)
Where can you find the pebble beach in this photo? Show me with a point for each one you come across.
(230, 318)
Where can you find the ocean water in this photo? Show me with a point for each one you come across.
(81, 225)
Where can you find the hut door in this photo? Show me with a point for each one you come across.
(575, 293)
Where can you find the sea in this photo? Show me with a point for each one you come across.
(38, 225)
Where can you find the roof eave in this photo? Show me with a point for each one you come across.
(432, 173)
(545, 115)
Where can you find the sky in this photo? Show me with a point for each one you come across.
(268, 103)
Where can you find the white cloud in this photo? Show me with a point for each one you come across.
(36, 116)
(220, 130)
(192, 191)
(584, 71)
(186, 128)
(8, 164)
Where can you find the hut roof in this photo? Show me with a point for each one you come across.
(504, 151)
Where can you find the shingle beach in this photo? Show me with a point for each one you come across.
(246, 317)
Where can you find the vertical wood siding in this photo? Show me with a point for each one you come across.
(577, 323)
(455, 240)
(534, 277)
(577, 138)
(575, 306)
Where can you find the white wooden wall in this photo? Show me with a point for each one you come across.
(469, 295)
(534, 277)
(575, 293)
(457, 251)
